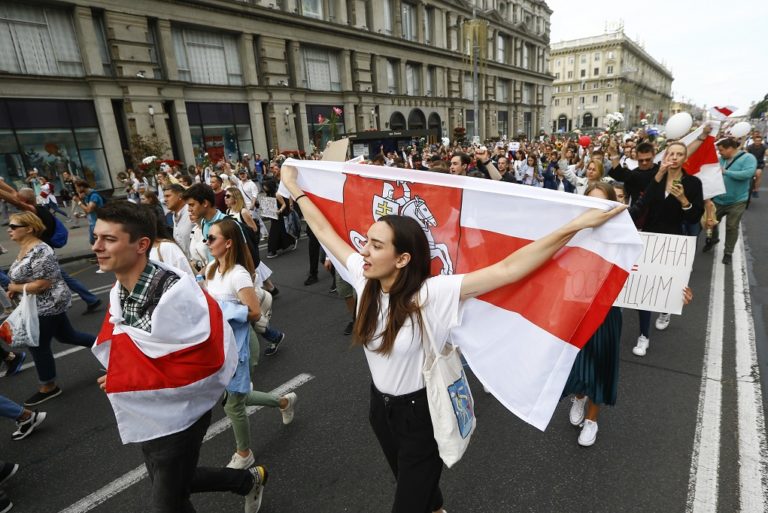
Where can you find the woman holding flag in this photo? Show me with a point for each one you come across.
(397, 298)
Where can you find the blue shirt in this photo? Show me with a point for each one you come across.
(737, 178)
(205, 225)
(93, 197)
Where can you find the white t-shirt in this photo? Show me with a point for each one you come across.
(399, 372)
(224, 287)
(171, 254)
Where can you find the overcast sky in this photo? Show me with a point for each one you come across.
(716, 52)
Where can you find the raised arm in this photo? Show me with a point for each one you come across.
(527, 259)
(317, 222)
(691, 149)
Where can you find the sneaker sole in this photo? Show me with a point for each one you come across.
(41, 401)
(7, 508)
(13, 473)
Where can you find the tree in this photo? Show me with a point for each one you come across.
(760, 109)
(141, 147)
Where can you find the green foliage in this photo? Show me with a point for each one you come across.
(141, 146)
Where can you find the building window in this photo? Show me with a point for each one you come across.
(556, 89)
(501, 49)
(583, 59)
(53, 136)
(392, 77)
(557, 102)
(596, 72)
(570, 74)
(222, 130)
(583, 86)
(502, 90)
(528, 93)
(609, 84)
(609, 70)
(527, 56)
(583, 73)
(570, 60)
(409, 22)
(608, 97)
(429, 83)
(207, 57)
(412, 79)
(557, 63)
(597, 57)
(594, 99)
(38, 41)
(557, 76)
(596, 85)
(569, 88)
(312, 8)
(581, 100)
(429, 25)
(568, 101)
(101, 35)
(154, 49)
(610, 55)
(321, 69)
(388, 17)
(503, 123)
(469, 87)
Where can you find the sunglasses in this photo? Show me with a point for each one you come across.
(14, 226)
(227, 195)
(210, 239)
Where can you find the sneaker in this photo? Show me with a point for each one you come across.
(588, 433)
(253, 499)
(13, 367)
(332, 290)
(311, 280)
(642, 346)
(755, 194)
(41, 397)
(577, 410)
(662, 322)
(289, 410)
(709, 244)
(293, 246)
(93, 307)
(242, 462)
(271, 255)
(349, 328)
(5, 502)
(24, 428)
(8, 471)
(272, 347)
(727, 259)
(275, 291)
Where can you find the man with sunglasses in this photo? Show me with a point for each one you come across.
(636, 180)
(201, 203)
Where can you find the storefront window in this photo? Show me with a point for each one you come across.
(325, 123)
(11, 164)
(219, 129)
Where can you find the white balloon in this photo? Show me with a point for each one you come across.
(678, 125)
(740, 129)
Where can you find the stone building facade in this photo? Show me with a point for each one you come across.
(78, 78)
(598, 75)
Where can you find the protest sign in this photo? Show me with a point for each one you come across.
(267, 206)
(656, 281)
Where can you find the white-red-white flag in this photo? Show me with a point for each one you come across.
(520, 340)
(720, 113)
(161, 382)
(704, 162)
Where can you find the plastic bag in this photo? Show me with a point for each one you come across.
(22, 327)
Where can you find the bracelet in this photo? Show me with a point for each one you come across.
(296, 200)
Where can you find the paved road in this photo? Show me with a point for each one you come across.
(668, 446)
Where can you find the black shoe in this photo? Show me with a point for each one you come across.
(349, 328)
(13, 367)
(93, 307)
(311, 279)
(727, 259)
(8, 471)
(275, 291)
(5, 502)
(709, 244)
(272, 347)
(271, 255)
(41, 397)
(332, 290)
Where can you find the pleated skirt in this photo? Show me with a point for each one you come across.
(595, 371)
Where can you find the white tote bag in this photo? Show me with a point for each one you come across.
(22, 327)
(450, 400)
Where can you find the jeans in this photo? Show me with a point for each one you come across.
(55, 326)
(4, 280)
(78, 288)
(732, 214)
(272, 335)
(691, 229)
(171, 462)
(91, 237)
(10, 409)
(55, 209)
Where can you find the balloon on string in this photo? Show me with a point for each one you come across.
(740, 129)
(678, 125)
(584, 141)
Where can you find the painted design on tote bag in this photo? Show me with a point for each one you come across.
(461, 399)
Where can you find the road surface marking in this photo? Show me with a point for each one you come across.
(752, 442)
(134, 476)
(704, 479)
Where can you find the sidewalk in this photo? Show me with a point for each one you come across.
(78, 246)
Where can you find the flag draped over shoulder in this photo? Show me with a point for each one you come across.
(161, 382)
(520, 340)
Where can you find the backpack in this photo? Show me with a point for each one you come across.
(251, 240)
(60, 234)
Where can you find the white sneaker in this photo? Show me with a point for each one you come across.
(253, 499)
(662, 322)
(577, 410)
(588, 433)
(241, 462)
(289, 410)
(642, 346)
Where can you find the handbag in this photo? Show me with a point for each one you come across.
(22, 327)
(292, 224)
(451, 405)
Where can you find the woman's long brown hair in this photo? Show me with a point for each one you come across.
(408, 237)
(238, 253)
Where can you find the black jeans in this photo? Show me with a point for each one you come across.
(404, 429)
(57, 326)
(314, 252)
(171, 462)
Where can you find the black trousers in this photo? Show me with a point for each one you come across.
(314, 252)
(171, 462)
(404, 429)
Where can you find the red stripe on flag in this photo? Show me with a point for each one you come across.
(569, 296)
(130, 370)
(725, 111)
(705, 154)
(333, 211)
